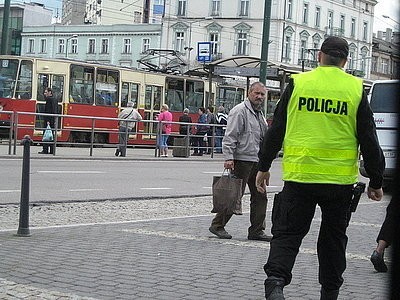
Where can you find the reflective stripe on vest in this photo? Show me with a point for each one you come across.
(320, 143)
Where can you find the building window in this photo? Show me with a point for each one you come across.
(61, 46)
(342, 23)
(137, 17)
(365, 31)
(303, 49)
(305, 13)
(181, 8)
(104, 46)
(43, 46)
(31, 46)
(317, 17)
(215, 7)
(287, 47)
(179, 40)
(91, 46)
(214, 39)
(384, 66)
(241, 43)
(374, 64)
(353, 27)
(244, 8)
(127, 46)
(145, 45)
(74, 46)
(289, 9)
(330, 19)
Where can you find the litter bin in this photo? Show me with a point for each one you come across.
(180, 149)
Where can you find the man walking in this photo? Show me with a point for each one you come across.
(244, 131)
(49, 108)
(321, 119)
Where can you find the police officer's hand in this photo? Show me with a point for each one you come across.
(262, 180)
(229, 164)
(375, 194)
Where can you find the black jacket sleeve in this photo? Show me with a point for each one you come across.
(374, 160)
(274, 136)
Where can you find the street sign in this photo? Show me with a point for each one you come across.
(204, 51)
(243, 71)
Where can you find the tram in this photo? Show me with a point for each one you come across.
(96, 90)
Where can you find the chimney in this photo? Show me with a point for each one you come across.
(388, 35)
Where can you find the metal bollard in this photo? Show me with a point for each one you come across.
(23, 229)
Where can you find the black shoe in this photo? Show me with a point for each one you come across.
(42, 152)
(117, 152)
(221, 233)
(195, 154)
(378, 262)
(274, 288)
(329, 295)
(260, 237)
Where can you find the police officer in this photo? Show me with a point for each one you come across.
(321, 119)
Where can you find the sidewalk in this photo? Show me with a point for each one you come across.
(105, 153)
(161, 249)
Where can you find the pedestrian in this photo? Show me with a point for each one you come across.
(385, 237)
(166, 128)
(221, 119)
(184, 129)
(210, 132)
(131, 116)
(321, 119)
(50, 107)
(201, 130)
(244, 132)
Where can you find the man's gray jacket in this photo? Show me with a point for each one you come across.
(244, 133)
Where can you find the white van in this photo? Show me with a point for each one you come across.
(385, 103)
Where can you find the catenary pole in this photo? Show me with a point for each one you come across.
(5, 31)
(265, 41)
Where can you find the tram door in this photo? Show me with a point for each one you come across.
(56, 82)
(152, 105)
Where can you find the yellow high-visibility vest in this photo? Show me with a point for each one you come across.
(320, 143)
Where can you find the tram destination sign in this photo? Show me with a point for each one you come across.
(243, 71)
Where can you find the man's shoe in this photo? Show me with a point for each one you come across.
(117, 152)
(42, 152)
(260, 237)
(221, 233)
(274, 288)
(378, 262)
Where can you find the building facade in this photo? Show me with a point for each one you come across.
(385, 55)
(108, 12)
(23, 14)
(109, 44)
(297, 29)
(73, 12)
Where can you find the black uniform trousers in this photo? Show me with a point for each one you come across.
(292, 214)
(247, 171)
(387, 230)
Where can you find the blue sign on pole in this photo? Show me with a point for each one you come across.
(204, 51)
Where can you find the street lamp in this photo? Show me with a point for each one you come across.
(387, 17)
(66, 44)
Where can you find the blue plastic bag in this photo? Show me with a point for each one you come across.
(48, 134)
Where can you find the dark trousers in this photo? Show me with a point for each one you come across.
(387, 230)
(292, 214)
(258, 201)
(122, 137)
(199, 144)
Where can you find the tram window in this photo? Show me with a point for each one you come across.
(24, 83)
(81, 84)
(152, 98)
(174, 94)
(8, 74)
(43, 82)
(57, 85)
(107, 87)
(129, 92)
(194, 95)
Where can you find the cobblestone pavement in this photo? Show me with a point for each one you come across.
(161, 249)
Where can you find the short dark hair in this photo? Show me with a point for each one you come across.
(202, 109)
(211, 109)
(332, 60)
(49, 89)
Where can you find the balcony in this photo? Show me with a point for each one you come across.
(309, 63)
(357, 73)
(334, 31)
